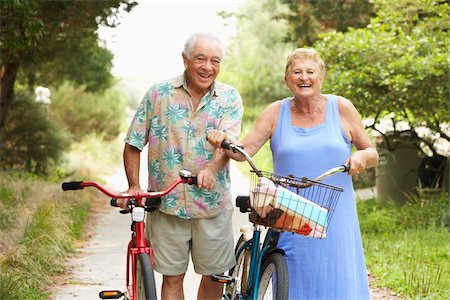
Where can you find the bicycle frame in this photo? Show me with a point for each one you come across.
(138, 243)
(257, 255)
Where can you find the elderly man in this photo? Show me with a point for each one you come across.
(174, 118)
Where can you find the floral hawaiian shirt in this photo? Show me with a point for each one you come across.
(176, 137)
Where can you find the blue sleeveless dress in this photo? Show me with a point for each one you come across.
(333, 267)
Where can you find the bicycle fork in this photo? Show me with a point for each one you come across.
(136, 246)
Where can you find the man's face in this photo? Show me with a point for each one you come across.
(203, 65)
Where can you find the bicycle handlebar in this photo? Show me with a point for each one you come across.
(235, 148)
(185, 177)
(73, 185)
(230, 146)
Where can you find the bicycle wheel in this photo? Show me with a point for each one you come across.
(274, 282)
(145, 279)
(236, 289)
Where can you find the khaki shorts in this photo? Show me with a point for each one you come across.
(209, 241)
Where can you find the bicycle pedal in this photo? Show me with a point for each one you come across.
(222, 278)
(110, 294)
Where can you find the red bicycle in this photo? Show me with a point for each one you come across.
(140, 279)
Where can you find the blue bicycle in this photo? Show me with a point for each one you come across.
(277, 203)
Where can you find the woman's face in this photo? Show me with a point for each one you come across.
(303, 78)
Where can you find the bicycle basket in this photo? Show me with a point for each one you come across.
(292, 204)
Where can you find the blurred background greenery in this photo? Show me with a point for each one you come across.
(390, 58)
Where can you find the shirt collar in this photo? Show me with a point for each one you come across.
(180, 81)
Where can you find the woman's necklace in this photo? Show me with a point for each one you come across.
(305, 116)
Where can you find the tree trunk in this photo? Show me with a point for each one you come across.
(7, 79)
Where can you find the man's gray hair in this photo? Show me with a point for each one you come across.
(190, 42)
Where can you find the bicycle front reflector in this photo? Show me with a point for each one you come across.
(138, 214)
(110, 294)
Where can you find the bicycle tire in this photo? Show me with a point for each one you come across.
(145, 279)
(239, 272)
(274, 283)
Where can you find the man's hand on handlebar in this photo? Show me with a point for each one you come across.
(123, 202)
(215, 138)
(206, 179)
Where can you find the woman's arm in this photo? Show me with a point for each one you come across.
(366, 155)
(262, 131)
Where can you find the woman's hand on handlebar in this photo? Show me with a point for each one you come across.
(357, 163)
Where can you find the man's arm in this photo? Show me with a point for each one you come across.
(131, 161)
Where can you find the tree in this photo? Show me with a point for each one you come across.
(268, 30)
(309, 18)
(397, 69)
(254, 56)
(52, 41)
(31, 139)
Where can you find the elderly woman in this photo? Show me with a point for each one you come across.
(310, 133)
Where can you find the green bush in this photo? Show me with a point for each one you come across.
(31, 139)
(416, 213)
(84, 113)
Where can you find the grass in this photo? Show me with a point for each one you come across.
(39, 223)
(414, 263)
(7, 213)
(406, 247)
(47, 238)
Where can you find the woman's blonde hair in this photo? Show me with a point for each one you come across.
(306, 53)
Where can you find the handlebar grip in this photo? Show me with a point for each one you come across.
(193, 180)
(225, 144)
(346, 168)
(113, 202)
(230, 146)
(73, 185)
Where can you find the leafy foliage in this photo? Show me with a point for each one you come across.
(84, 113)
(253, 61)
(53, 41)
(396, 68)
(416, 213)
(309, 18)
(54, 38)
(31, 140)
(36, 136)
